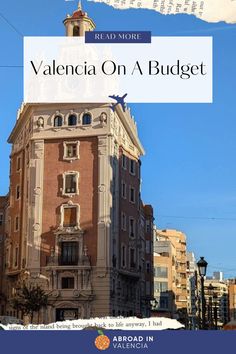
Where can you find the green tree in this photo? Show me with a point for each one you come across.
(30, 300)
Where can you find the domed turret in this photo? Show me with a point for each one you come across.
(78, 23)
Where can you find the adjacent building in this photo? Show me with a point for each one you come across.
(192, 291)
(170, 278)
(3, 210)
(76, 223)
(232, 299)
(217, 303)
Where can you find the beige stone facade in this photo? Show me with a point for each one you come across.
(232, 299)
(77, 226)
(170, 278)
(217, 302)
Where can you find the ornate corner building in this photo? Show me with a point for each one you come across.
(74, 220)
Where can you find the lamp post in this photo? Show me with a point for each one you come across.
(202, 267)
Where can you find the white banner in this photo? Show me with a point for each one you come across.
(65, 69)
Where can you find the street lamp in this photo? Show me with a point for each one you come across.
(202, 267)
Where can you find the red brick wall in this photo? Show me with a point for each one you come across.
(16, 178)
(130, 209)
(54, 167)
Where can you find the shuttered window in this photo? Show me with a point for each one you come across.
(70, 216)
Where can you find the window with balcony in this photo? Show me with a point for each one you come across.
(69, 253)
(68, 283)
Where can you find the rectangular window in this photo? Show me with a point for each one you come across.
(164, 304)
(69, 253)
(124, 162)
(70, 217)
(148, 243)
(132, 258)
(123, 221)
(161, 272)
(1, 219)
(18, 164)
(68, 283)
(18, 192)
(131, 227)
(161, 287)
(71, 150)
(123, 256)
(148, 267)
(70, 183)
(148, 228)
(132, 167)
(132, 195)
(123, 190)
(16, 257)
(17, 223)
(148, 288)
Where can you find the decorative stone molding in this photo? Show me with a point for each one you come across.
(68, 205)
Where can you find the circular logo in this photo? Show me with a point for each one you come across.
(102, 342)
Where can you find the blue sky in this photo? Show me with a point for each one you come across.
(189, 171)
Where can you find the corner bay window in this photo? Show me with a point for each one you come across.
(69, 253)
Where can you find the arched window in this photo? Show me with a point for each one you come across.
(58, 121)
(76, 31)
(86, 119)
(72, 120)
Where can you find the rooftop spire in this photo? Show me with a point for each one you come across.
(79, 6)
